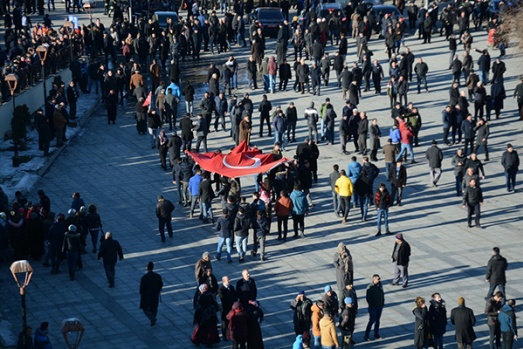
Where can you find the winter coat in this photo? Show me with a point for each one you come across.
(507, 319)
(434, 156)
(421, 327)
(463, 320)
(238, 320)
(510, 160)
(242, 223)
(316, 316)
(375, 296)
(329, 337)
(302, 315)
(472, 195)
(403, 253)
(300, 205)
(150, 286)
(496, 267)
(438, 317)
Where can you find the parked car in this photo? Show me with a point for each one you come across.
(327, 9)
(161, 18)
(269, 19)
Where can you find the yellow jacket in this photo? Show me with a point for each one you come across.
(343, 186)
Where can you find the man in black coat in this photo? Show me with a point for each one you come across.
(72, 98)
(301, 306)
(110, 250)
(246, 289)
(496, 267)
(463, 320)
(186, 128)
(150, 287)
(510, 163)
(472, 200)
(228, 297)
(164, 209)
(206, 195)
(400, 259)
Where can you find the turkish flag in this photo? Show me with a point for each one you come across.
(240, 162)
(147, 101)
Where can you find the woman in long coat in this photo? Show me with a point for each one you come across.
(421, 325)
(205, 320)
(344, 267)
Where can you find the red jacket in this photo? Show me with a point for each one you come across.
(406, 132)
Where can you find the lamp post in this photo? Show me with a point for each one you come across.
(89, 9)
(72, 325)
(12, 83)
(17, 268)
(42, 54)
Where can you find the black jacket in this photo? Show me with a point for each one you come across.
(164, 209)
(375, 295)
(510, 160)
(434, 156)
(403, 253)
(472, 195)
(496, 267)
(110, 250)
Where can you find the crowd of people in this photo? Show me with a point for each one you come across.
(143, 64)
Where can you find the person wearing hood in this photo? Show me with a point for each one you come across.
(205, 320)
(437, 320)
(344, 267)
(507, 324)
(298, 343)
(301, 307)
(329, 337)
(496, 267)
(238, 322)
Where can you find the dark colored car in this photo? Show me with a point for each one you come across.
(269, 19)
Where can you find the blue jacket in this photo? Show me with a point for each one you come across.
(354, 171)
(175, 89)
(507, 319)
(395, 135)
(299, 202)
(298, 343)
(194, 184)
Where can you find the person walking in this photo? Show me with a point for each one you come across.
(164, 209)
(421, 324)
(376, 301)
(398, 181)
(283, 209)
(382, 200)
(311, 114)
(344, 267)
(510, 163)
(344, 189)
(400, 260)
(301, 307)
(492, 309)
(437, 320)
(507, 324)
(458, 161)
(421, 69)
(473, 200)
(110, 251)
(495, 276)
(150, 287)
(435, 157)
(264, 108)
(482, 131)
(41, 338)
(72, 247)
(463, 320)
(202, 129)
(518, 92)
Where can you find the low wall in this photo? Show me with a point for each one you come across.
(33, 98)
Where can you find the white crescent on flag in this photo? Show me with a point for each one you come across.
(257, 163)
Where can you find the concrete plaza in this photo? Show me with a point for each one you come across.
(114, 167)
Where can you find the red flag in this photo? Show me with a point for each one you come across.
(240, 162)
(147, 100)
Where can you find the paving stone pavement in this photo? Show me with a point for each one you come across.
(114, 167)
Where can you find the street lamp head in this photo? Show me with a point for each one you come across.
(20, 267)
(72, 325)
(42, 53)
(12, 82)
